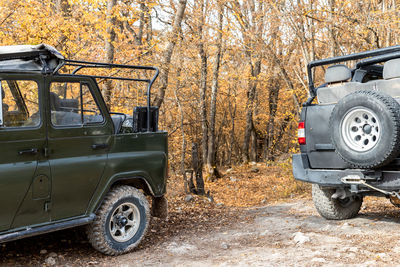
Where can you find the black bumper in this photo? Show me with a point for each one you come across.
(327, 177)
(386, 179)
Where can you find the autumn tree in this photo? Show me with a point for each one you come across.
(250, 17)
(232, 73)
(109, 46)
(211, 153)
(167, 55)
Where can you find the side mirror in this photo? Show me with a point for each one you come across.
(1, 104)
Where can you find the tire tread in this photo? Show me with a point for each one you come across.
(95, 230)
(330, 208)
(394, 148)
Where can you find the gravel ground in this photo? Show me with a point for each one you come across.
(283, 234)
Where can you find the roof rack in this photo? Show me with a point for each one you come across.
(91, 65)
(47, 60)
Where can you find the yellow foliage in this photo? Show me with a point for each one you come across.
(295, 34)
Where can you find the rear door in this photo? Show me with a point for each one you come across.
(78, 140)
(24, 171)
(320, 150)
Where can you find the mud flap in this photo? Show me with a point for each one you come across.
(159, 207)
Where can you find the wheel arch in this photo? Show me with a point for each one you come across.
(135, 180)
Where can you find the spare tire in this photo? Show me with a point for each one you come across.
(365, 129)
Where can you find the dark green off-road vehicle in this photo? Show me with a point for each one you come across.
(66, 160)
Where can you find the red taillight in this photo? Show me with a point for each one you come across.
(301, 133)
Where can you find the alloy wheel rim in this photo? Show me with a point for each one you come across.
(124, 222)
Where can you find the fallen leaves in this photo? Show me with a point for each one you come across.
(242, 187)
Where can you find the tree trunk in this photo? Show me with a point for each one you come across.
(149, 33)
(232, 141)
(253, 150)
(62, 6)
(211, 158)
(286, 78)
(203, 105)
(334, 48)
(109, 46)
(139, 36)
(253, 42)
(273, 96)
(203, 83)
(166, 59)
(198, 170)
(183, 153)
(251, 94)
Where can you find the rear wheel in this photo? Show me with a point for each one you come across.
(335, 209)
(121, 221)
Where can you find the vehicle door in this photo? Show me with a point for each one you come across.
(24, 171)
(79, 134)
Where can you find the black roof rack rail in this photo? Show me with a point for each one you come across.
(377, 59)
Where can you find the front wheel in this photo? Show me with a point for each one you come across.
(335, 209)
(121, 221)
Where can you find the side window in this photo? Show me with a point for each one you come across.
(20, 103)
(72, 104)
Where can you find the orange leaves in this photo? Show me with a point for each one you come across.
(296, 34)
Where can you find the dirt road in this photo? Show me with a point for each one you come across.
(286, 234)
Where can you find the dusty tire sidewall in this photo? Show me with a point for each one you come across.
(332, 209)
(125, 246)
(366, 158)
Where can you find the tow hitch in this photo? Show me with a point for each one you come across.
(356, 180)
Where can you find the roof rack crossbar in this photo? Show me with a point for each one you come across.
(88, 64)
(377, 59)
(109, 77)
(355, 56)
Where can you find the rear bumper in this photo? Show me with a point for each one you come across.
(326, 177)
(385, 179)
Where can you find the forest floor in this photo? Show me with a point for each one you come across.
(252, 220)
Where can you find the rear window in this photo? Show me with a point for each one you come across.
(72, 104)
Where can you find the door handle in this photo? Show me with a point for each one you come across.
(32, 151)
(99, 146)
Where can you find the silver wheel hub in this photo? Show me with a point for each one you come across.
(124, 222)
(361, 129)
